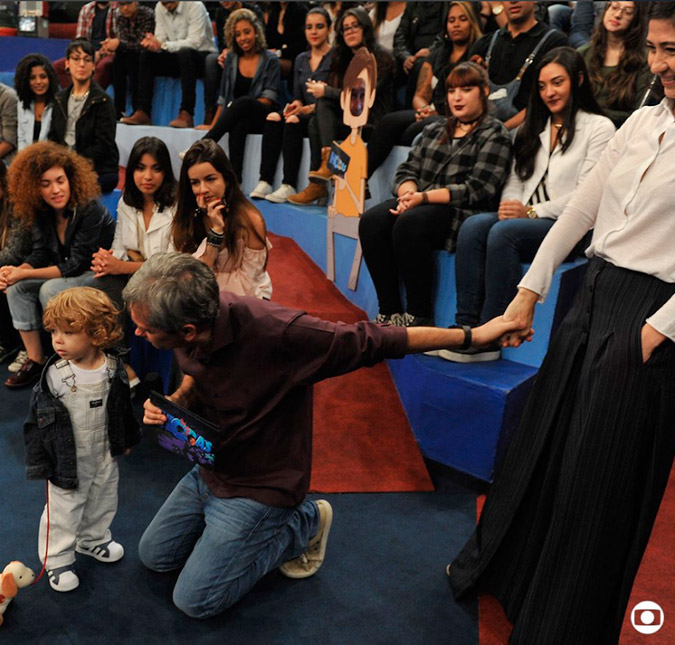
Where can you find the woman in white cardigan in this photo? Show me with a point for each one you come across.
(36, 85)
(560, 141)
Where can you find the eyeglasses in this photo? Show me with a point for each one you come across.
(620, 9)
(348, 28)
(82, 59)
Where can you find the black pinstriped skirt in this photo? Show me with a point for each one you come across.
(568, 518)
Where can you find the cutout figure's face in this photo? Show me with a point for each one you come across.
(357, 100)
(661, 46)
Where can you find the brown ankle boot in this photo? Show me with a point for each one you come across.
(183, 120)
(323, 173)
(139, 117)
(313, 193)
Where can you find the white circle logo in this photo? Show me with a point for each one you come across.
(647, 617)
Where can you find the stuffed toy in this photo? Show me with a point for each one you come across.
(15, 576)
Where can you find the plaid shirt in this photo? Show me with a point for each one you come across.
(473, 168)
(85, 20)
(131, 32)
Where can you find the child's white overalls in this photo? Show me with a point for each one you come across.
(83, 516)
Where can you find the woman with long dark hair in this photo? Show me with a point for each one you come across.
(429, 103)
(617, 59)
(285, 130)
(573, 503)
(218, 225)
(36, 86)
(561, 139)
(249, 88)
(457, 169)
(354, 30)
(54, 190)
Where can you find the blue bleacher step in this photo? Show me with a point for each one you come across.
(462, 415)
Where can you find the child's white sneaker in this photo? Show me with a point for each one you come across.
(63, 578)
(261, 190)
(281, 194)
(109, 551)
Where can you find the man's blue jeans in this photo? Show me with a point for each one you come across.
(224, 546)
(487, 263)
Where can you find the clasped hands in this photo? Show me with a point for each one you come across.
(408, 199)
(8, 276)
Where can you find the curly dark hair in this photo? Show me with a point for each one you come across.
(188, 228)
(166, 193)
(29, 166)
(22, 78)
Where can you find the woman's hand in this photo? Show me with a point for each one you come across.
(650, 339)
(215, 215)
(316, 88)
(493, 330)
(521, 312)
(406, 201)
(424, 112)
(512, 209)
(103, 262)
(10, 275)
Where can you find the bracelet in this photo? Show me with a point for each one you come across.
(531, 213)
(467, 337)
(425, 198)
(216, 234)
(213, 243)
(214, 239)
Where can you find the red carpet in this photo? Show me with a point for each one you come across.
(362, 440)
(654, 582)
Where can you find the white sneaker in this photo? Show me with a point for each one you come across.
(110, 551)
(281, 194)
(63, 578)
(261, 190)
(18, 362)
(310, 561)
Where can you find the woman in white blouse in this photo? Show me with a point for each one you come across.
(36, 86)
(570, 512)
(561, 139)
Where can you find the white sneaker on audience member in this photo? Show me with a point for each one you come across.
(18, 362)
(281, 194)
(261, 190)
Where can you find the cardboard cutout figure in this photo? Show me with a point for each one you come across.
(349, 159)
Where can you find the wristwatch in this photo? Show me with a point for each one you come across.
(531, 213)
(497, 10)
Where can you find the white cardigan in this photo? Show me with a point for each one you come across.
(565, 171)
(26, 122)
(156, 239)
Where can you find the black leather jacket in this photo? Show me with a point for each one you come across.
(48, 433)
(94, 130)
(89, 227)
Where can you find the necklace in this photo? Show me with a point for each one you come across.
(465, 126)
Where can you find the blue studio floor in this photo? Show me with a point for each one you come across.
(383, 580)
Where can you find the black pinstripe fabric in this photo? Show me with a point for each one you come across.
(569, 516)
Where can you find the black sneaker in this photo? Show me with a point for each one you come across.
(472, 354)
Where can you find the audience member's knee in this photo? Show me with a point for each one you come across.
(274, 116)
(195, 605)
(292, 119)
(146, 551)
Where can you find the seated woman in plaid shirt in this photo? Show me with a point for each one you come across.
(457, 169)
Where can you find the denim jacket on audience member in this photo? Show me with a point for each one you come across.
(26, 123)
(266, 83)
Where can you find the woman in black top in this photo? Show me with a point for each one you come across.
(54, 190)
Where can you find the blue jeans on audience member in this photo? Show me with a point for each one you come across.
(26, 296)
(487, 263)
(224, 545)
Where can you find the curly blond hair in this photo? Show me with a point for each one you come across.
(32, 162)
(85, 309)
(237, 16)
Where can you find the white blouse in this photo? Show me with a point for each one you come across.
(249, 277)
(567, 170)
(130, 233)
(628, 198)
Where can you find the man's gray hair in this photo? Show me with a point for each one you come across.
(174, 289)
